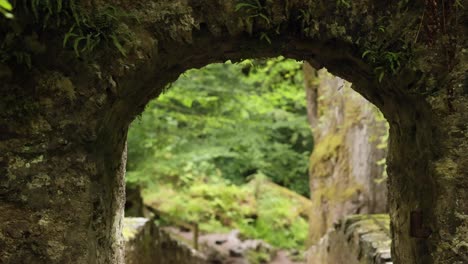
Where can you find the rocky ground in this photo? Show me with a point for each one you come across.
(229, 248)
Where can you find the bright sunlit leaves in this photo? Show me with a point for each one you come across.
(6, 8)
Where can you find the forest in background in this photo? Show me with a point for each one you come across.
(223, 147)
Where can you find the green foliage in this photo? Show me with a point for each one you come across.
(264, 36)
(305, 17)
(30, 16)
(278, 222)
(387, 61)
(213, 203)
(219, 121)
(219, 206)
(258, 256)
(387, 49)
(251, 10)
(343, 3)
(9, 52)
(458, 4)
(83, 30)
(254, 8)
(6, 8)
(382, 144)
(196, 148)
(90, 30)
(50, 14)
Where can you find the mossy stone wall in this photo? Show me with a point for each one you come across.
(356, 239)
(63, 119)
(345, 177)
(146, 243)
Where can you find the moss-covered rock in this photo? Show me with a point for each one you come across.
(356, 239)
(344, 170)
(146, 243)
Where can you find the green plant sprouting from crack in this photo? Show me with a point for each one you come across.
(344, 3)
(254, 9)
(84, 30)
(88, 29)
(387, 57)
(6, 8)
(91, 30)
(308, 23)
(385, 61)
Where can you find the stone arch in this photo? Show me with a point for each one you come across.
(64, 121)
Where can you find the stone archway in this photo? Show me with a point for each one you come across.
(63, 120)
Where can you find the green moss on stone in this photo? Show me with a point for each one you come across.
(132, 226)
(446, 167)
(326, 150)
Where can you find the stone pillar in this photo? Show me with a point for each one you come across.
(344, 175)
(61, 179)
(428, 169)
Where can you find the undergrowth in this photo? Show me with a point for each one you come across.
(218, 206)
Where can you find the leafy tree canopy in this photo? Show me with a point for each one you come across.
(229, 120)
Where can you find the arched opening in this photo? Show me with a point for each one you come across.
(219, 128)
(64, 117)
(290, 47)
(397, 106)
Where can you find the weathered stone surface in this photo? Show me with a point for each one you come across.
(350, 141)
(229, 248)
(134, 206)
(145, 243)
(63, 119)
(358, 239)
